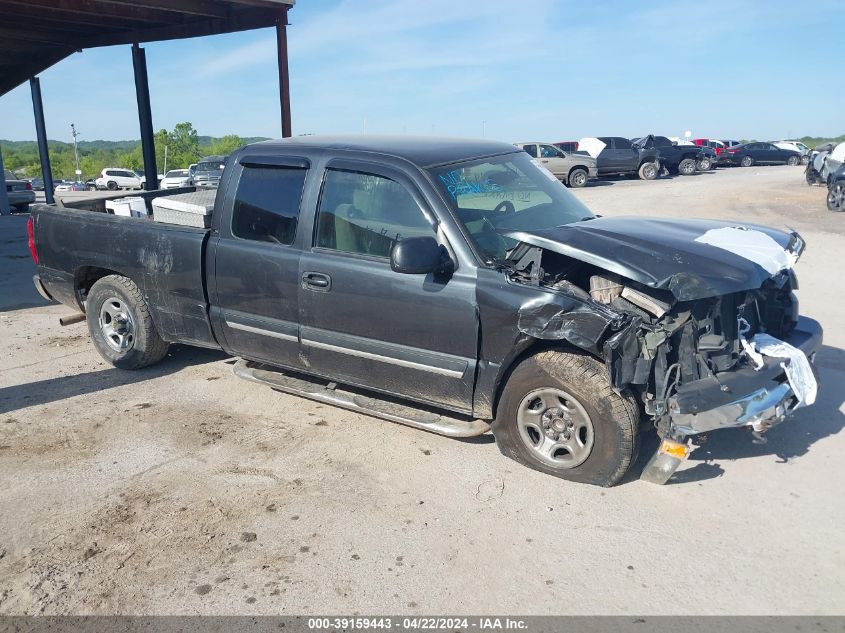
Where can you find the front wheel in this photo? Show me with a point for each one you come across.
(648, 171)
(793, 160)
(112, 185)
(704, 164)
(120, 324)
(836, 197)
(559, 415)
(746, 161)
(577, 178)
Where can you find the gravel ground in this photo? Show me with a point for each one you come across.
(181, 489)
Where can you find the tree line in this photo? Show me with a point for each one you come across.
(184, 146)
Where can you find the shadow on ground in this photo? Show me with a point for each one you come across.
(55, 389)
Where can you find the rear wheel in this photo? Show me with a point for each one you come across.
(704, 164)
(577, 178)
(686, 167)
(120, 324)
(746, 161)
(559, 415)
(648, 171)
(793, 160)
(836, 197)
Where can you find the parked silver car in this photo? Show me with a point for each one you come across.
(20, 192)
(574, 170)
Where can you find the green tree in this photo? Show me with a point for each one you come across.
(226, 145)
(183, 146)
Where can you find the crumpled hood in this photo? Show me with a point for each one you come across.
(691, 258)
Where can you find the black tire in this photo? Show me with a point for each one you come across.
(111, 185)
(614, 418)
(686, 167)
(836, 197)
(91, 187)
(805, 159)
(705, 164)
(648, 171)
(577, 178)
(746, 161)
(810, 175)
(146, 346)
(793, 161)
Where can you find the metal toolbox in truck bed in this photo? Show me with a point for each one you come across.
(187, 209)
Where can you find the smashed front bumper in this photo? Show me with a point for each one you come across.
(758, 399)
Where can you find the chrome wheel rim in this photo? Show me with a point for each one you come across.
(705, 165)
(746, 161)
(117, 325)
(688, 168)
(649, 171)
(555, 427)
(579, 179)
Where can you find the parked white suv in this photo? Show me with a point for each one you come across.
(115, 178)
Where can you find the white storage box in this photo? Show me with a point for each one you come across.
(187, 209)
(133, 207)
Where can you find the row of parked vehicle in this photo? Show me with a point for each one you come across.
(204, 173)
(577, 162)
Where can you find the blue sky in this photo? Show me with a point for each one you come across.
(535, 69)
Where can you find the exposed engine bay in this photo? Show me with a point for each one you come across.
(653, 344)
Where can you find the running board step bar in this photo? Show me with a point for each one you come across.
(346, 398)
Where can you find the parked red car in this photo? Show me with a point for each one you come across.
(716, 146)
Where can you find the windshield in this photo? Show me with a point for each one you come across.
(177, 173)
(492, 196)
(215, 166)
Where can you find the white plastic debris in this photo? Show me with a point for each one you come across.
(797, 367)
(795, 363)
(752, 245)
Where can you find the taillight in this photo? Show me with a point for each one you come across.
(29, 186)
(30, 232)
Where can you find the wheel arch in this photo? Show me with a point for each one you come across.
(86, 276)
(523, 350)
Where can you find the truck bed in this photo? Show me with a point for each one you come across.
(166, 261)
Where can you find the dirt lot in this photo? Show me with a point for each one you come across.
(181, 489)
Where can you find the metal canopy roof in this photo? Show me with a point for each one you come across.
(35, 34)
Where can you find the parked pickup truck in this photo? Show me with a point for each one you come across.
(617, 156)
(677, 158)
(454, 286)
(574, 170)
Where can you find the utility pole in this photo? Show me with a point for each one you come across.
(75, 133)
(165, 159)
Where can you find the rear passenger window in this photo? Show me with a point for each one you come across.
(621, 143)
(366, 214)
(531, 150)
(266, 205)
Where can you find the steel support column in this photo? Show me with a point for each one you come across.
(41, 135)
(284, 79)
(4, 197)
(145, 117)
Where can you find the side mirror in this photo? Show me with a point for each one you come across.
(419, 256)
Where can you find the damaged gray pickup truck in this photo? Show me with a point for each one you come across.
(454, 286)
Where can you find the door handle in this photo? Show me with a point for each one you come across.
(316, 281)
(544, 160)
